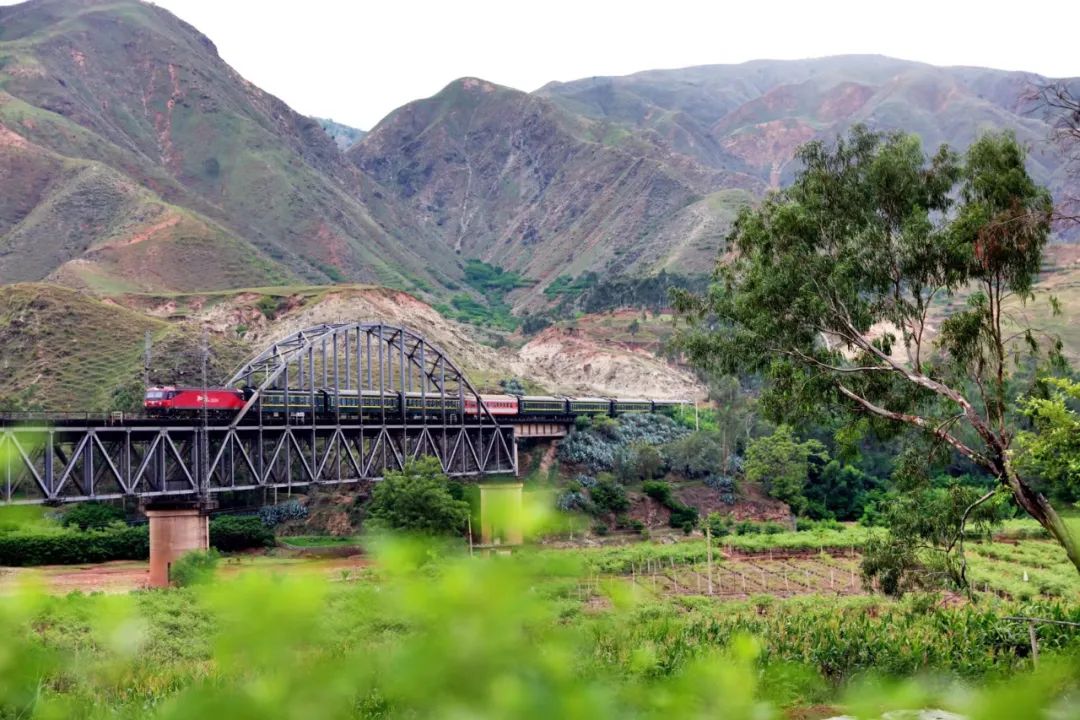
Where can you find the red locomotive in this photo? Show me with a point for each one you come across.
(168, 400)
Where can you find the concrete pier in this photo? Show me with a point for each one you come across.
(174, 532)
(501, 521)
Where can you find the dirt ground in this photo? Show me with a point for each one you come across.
(124, 576)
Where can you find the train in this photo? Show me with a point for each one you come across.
(169, 401)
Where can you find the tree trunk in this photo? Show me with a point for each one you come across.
(1038, 507)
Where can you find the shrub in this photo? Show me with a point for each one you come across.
(719, 525)
(68, 546)
(92, 515)
(418, 498)
(659, 491)
(274, 515)
(600, 529)
(684, 516)
(608, 496)
(570, 500)
(229, 533)
(772, 528)
(745, 527)
(194, 568)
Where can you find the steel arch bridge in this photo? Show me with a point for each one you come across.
(308, 438)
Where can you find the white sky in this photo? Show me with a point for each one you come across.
(357, 61)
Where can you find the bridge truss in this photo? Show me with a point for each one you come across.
(313, 440)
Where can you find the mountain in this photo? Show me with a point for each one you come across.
(344, 136)
(133, 157)
(510, 178)
(759, 112)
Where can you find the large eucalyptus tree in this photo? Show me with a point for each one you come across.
(834, 287)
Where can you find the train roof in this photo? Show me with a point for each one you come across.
(485, 397)
(589, 399)
(632, 400)
(542, 397)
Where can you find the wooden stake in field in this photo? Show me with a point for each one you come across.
(674, 574)
(708, 554)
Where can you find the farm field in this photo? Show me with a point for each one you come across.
(421, 632)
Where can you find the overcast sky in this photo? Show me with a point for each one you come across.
(356, 61)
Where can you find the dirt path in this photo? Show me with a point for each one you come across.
(125, 576)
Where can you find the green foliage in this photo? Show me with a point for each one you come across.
(1051, 449)
(699, 454)
(491, 279)
(418, 499)
(652, 291)
(682, 516)
(230, 533)
(608, 496)
(564, 285)
(68, 546)
(597, 443)
(927, 523)
(512, 386)
(639, 462)
(870, 234)
(194, 568)
(427, 636)
(839, 491)
(92, 515)
(781, 465)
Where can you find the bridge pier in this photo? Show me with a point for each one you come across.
(501, 518)
(175, 531)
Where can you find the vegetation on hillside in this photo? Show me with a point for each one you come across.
(868, 234)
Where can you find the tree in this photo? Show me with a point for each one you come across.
(1060, 103)
(830, 292)
(781, 464)
(1051, 449)
(608, 496)
(634, 327)
(839, 491)
(418, 498)
(699, 454)
(927, 521)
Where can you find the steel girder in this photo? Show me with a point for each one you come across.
(49, 463)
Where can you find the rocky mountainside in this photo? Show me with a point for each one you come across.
(514, 180)
(65, 350)
(755, 114)
(133, 157)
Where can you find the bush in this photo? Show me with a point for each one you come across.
(684, 517)
(194, 568)
(89, 515)
(745, 527)
(600, 529)
(68, 546)
(570, 500)
(274, 515)
(229, 533)
(609, 496)
(772, 528)
(719, 525)
(418, 498)
(659, 491)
